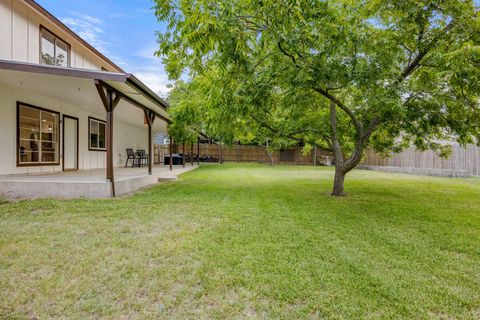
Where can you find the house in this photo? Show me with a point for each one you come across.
(67, 112)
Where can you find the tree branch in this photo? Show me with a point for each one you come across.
(291, 56)
(337, 149)
(415, 63)
(358, 124)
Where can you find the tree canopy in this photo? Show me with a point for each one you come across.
(346, 74)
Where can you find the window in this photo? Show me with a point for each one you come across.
(37, 136)
(96, 133)
(53, 50)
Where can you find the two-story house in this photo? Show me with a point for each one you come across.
(64, 105)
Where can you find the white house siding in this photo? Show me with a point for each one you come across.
(125, 135)
(20, 37)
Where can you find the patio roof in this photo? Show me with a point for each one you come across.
(125, 84)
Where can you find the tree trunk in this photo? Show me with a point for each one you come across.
(269, 154)
(341, 169)
(338, 181)
(270, 158)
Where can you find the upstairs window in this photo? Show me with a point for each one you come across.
(53, 50)
(96, 133)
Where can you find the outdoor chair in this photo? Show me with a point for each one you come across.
(130, 156)
(142, 158)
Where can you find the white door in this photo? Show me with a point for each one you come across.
(70, 143)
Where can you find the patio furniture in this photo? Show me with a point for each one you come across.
(176, 159)
(130, 156)
(142, 158)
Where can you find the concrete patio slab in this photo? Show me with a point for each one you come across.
(84, 183)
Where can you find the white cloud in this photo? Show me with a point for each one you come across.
(145, 66)
(151, 71)
(88, 28)
(155, 79)
(148, 53)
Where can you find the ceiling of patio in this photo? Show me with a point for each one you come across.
(77, 92)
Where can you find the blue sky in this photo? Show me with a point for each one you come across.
(123, 30)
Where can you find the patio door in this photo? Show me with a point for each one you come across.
(70, 143)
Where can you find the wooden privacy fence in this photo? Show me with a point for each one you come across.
(467, 159)
(249, 153)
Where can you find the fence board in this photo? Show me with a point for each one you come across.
(246, 153)
(461, 159)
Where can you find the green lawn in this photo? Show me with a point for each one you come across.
(250, 241)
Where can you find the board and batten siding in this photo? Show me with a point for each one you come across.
(20, 37)
(467, 159)
(125, 135)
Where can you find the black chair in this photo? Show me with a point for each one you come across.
(130, 156)
(142, 158)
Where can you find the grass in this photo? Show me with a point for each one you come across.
(249, 241)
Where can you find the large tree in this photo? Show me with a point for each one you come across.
(381, 73)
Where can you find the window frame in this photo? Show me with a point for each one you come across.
(69, 47)
(17, 151)
(90, 148)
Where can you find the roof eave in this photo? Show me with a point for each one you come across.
(62, 71)
(95, 75)
(140, 86)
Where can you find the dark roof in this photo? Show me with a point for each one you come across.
(62, 71)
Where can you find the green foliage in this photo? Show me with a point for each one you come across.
(408, 71)
(185, 112)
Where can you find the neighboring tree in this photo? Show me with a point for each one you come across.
(206, 104)
(185, 112)
(399, 72)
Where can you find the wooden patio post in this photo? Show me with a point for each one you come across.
(183, 154)
(198, 151)
(171, 153)
(109, 103)
(149, 148)
(150, 117)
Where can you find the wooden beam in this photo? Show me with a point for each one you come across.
(109, 140)
(102, 94)
(131, 101)
(150, 116)
(109, 100)
(116, 100)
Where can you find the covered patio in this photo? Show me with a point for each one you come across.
(131, 114)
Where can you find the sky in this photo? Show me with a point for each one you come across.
(123, 30)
